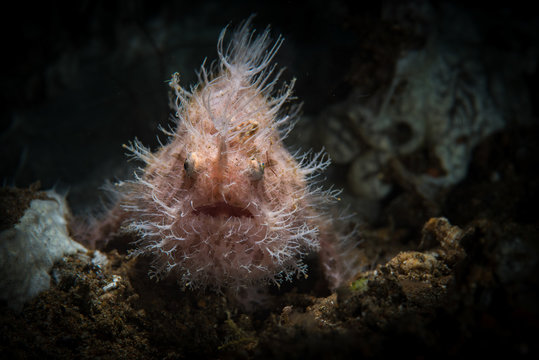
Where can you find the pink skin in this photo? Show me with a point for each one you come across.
(224, 204)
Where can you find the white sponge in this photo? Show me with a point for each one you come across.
(30, 248)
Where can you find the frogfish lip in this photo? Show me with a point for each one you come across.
(222, 209)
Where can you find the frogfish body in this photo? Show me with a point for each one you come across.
(224, 204)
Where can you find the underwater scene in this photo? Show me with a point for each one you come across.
(269, 180)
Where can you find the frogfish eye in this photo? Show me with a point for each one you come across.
(190, 164)
(256, 170)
